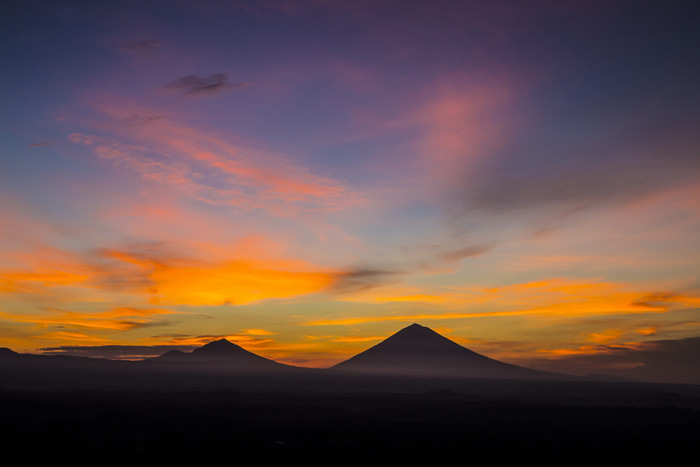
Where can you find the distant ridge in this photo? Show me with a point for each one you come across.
(171, 355)
(419, 351)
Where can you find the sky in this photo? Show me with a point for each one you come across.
(307, 177)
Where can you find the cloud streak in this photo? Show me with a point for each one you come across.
(140, 46)
(212, 170)
(553, 299)
(115, 352)
(116, 319)
(197, 86)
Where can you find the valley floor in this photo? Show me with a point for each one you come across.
(439, 427)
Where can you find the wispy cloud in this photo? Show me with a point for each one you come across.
(143, 118)
(246, 340)
(140, 46)
(71, 336)
(115, 352)
(215, 84)
(543, 299)
(467, 252)
(213, 170)
(247, 271)
(413, 261)
(23, 281)
(356, 279)
(116, 319)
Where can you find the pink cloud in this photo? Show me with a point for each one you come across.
(213, 169)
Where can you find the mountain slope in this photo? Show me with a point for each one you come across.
(5, 352)
(419, 351)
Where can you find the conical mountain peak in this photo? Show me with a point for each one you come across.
(225, 352)
(416, 331)
(415, 327)
(417, 339)
(418, 350)
(221, 346)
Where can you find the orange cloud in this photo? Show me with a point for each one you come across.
(413, 298)
(23, 281)
(650, 331)
(116, 319)
(414, 317)
(233, 282)
(583, 350)
(38, 270)
(605, 337)
(179, 281)
(591, 349)
(246, 341)
(258, 332)
(550, 298)
(72, 337)
(249, 270)
(358, 339)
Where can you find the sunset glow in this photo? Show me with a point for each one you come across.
(305, 178)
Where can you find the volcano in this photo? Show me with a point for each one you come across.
(220, 354)
(419, 351)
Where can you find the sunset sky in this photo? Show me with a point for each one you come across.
(307, 177)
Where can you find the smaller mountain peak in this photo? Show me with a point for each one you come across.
(170, 355)
(222, 340)
(218, 346)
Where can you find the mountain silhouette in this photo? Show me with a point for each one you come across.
(5, 352)
(220, 354)
(170, 356)
(419, 351)
(220, 348)
(415, 352)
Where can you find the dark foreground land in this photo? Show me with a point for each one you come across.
(222, 404)
(603, 425)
